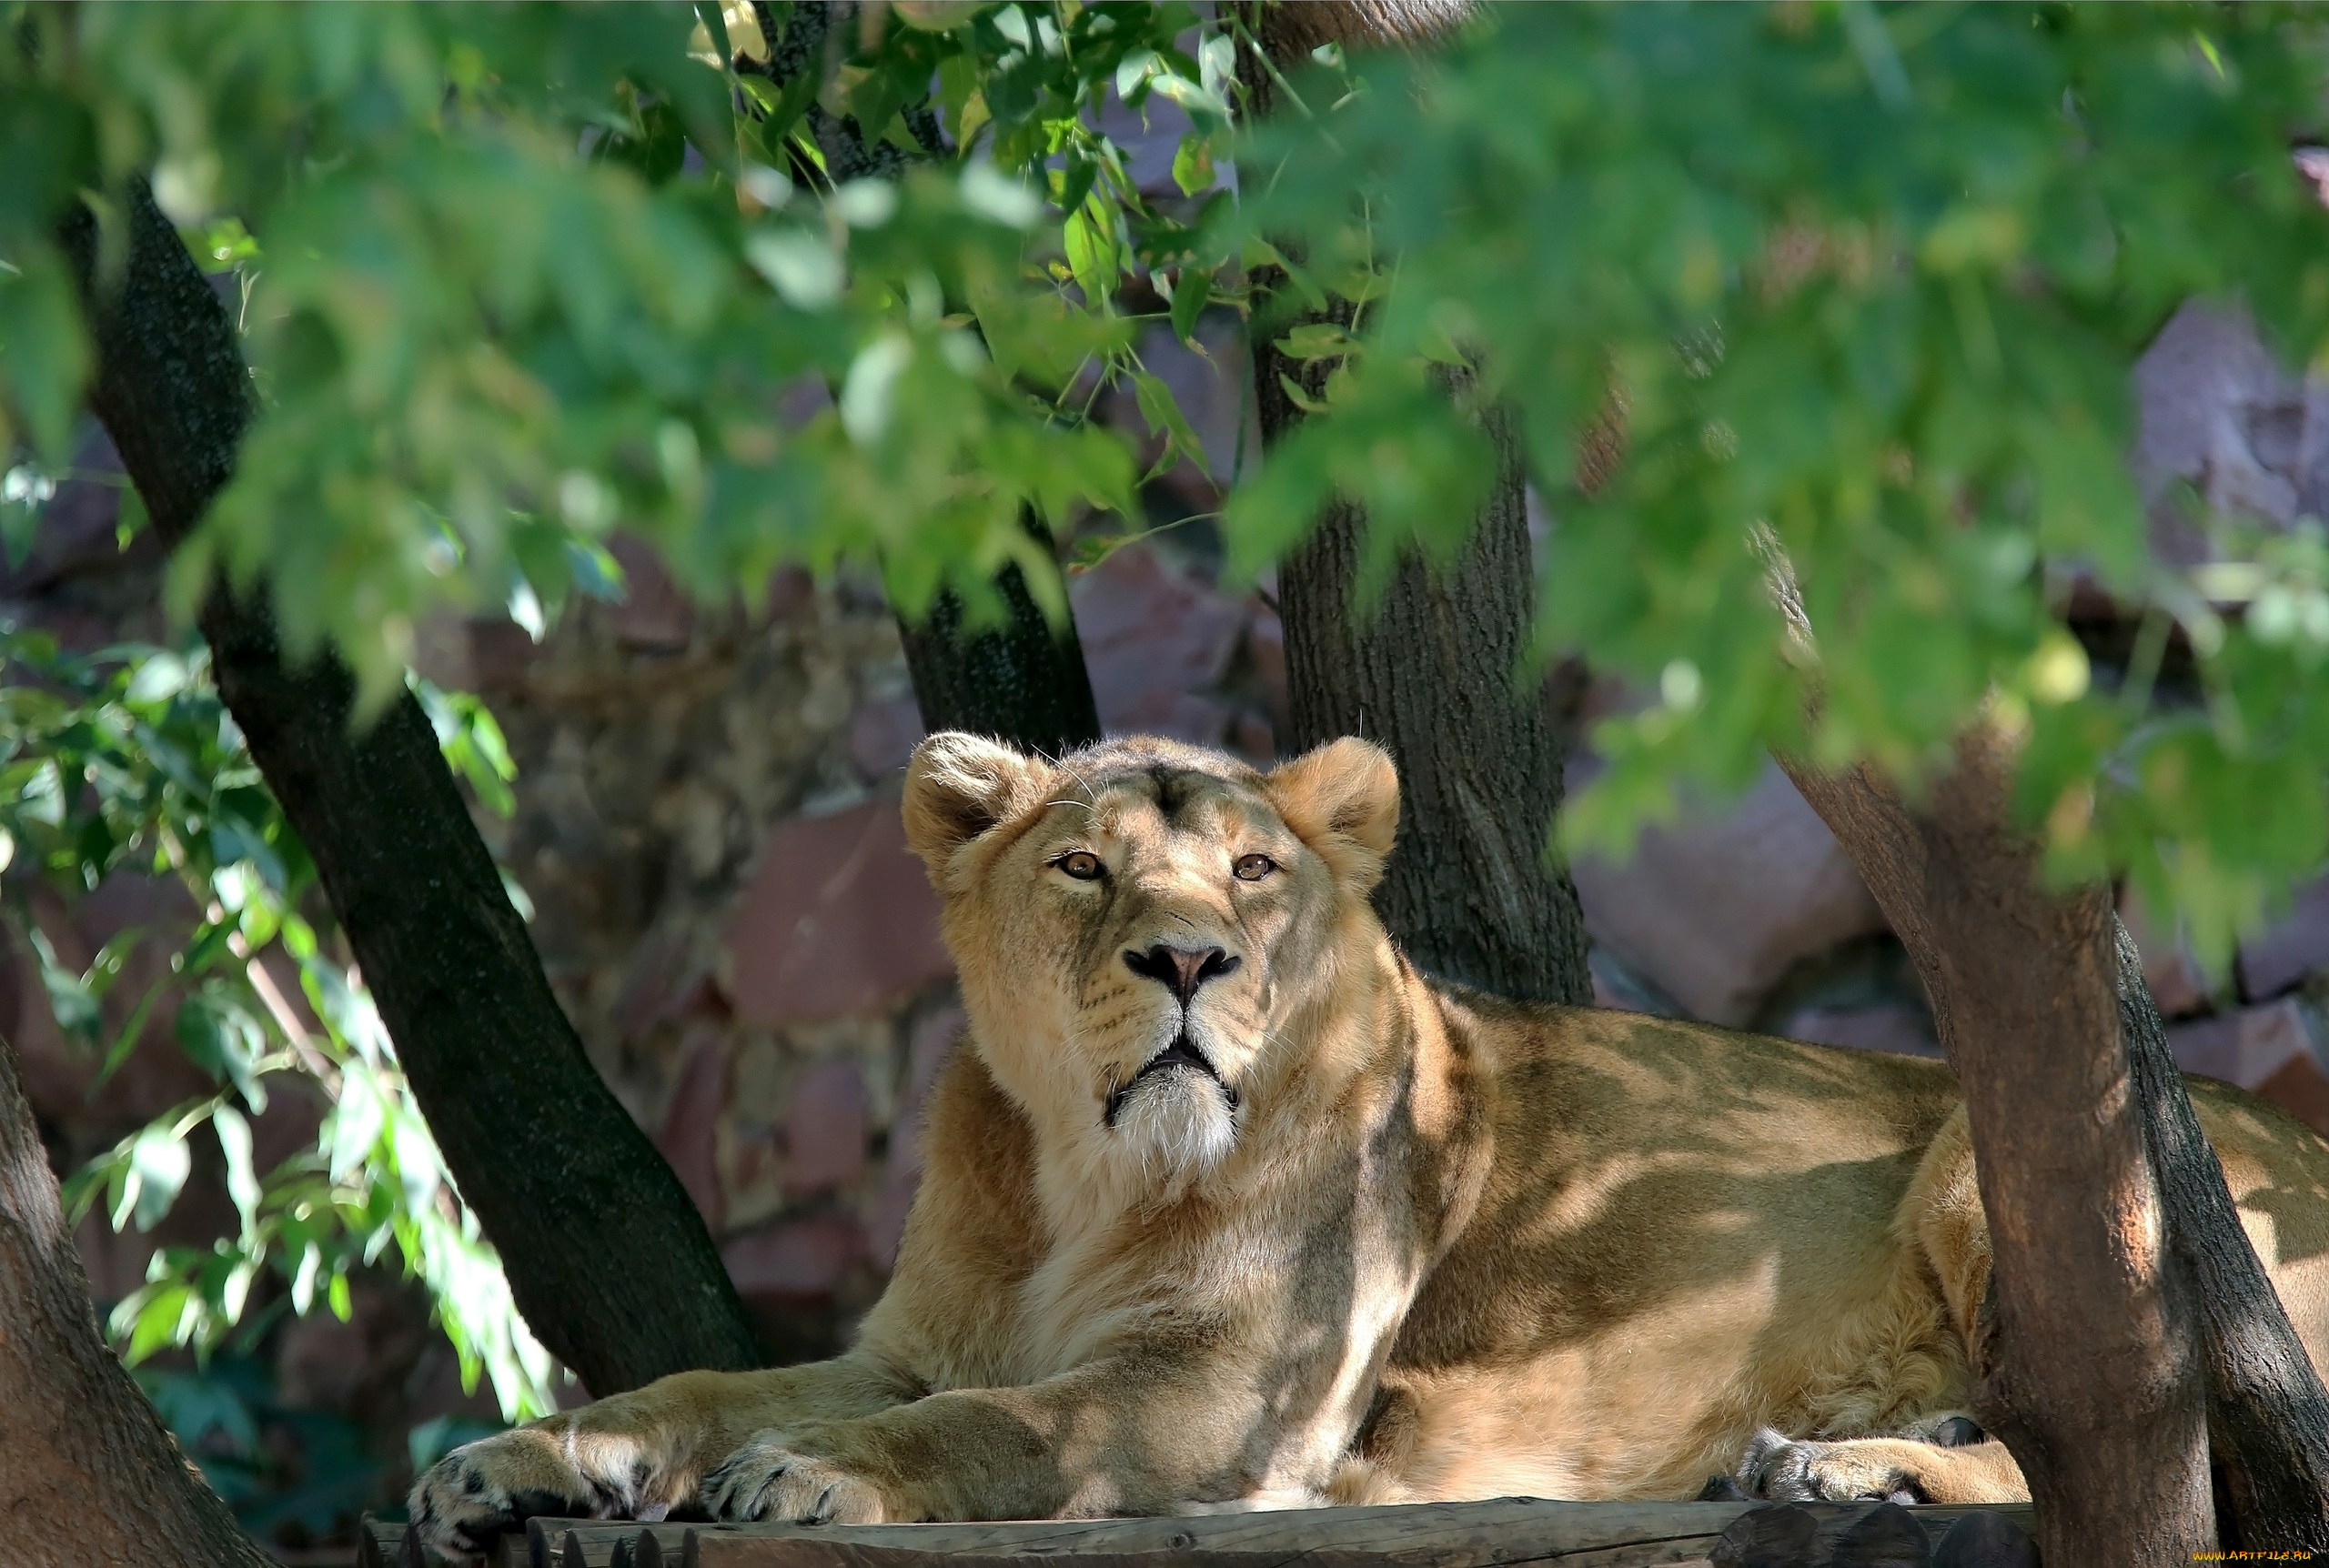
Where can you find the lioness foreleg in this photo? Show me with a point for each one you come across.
(1137, 1432)
(1899, 1470)
(633, 1455)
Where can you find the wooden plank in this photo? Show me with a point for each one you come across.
(1506, 1531)
(1421, 1535)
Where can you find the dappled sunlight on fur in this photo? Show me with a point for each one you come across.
(1225, 1207)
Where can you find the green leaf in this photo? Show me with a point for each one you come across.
(242, 1179)
(159, 1162)
(1192, 291)
(1163, 412)
(1192, 169)
(1316, 340)
(44, 352)
(70, 1000)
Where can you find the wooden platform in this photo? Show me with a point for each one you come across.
(1507, 1531)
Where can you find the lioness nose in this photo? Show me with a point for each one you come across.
(1183, 969)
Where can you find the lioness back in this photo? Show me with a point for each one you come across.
(1690, 1233)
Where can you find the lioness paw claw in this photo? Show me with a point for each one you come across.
(1784, 1471)
(486, 1487)
(765, 1480)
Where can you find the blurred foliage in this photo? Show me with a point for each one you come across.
(1863, 288)
(284, 1469)
(125, 763)
(493, 308)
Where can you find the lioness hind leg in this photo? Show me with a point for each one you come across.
(1895, 1469)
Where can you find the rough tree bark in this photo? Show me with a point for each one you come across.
(1470, 892)
(2268, 1415)
(560, 1175)
(2088, 1370)
(1022, 679)
(88, 1474)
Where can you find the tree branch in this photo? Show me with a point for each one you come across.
(553, 1165)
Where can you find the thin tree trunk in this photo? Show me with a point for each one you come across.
(1472, 892)
(562, 1176)
(2088, 1370)
(1022, 680)
(88, 1474)
(2268, 1417)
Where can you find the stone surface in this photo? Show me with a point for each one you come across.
(2292, 947)
(805, 1257)
(2273, 1050)
(839, 917)
(653, 615)
(933, 1041)
(1900, 1029)
(2177, 984)
(689, 1132)
(826, 1124)
(1154, 639)
(1715, 908)
(2216, 410)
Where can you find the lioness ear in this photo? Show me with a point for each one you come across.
(1342, 799)
(957, 787)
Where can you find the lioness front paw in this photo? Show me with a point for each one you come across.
(1785, 1470)
(494, 1484)
(767, 1480)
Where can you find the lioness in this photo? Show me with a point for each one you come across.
(1226, 1206)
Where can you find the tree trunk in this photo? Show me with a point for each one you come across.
(561, 1177)
(1022, 682)
(88, 1474)
(2088, 1368)
(1472, 892)
(2268, 1417)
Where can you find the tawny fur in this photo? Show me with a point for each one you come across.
(1433, 1246)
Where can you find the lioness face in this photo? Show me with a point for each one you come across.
(1135, 924)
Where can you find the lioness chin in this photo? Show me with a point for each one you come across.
(1225, 1205)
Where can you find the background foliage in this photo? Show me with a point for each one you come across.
(1873, 282)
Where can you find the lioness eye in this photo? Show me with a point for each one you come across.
(1254, 868)
(1083, 866)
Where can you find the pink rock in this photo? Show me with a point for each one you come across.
(1183, 715)
(653, 615)
(791, 593)
(798, 1258)
(1254, 737)
(1265, 646)
(1151, 636)
(2287, 951)
(651, 981)
(933, 1040)
(2217, 410)
(2169, 968)
(2247, 1047)
(837, 918)
(1899, 1030)
(826, 1123)
(687, 1137)
(500, 655)
(1714, 910)
(882, 736)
